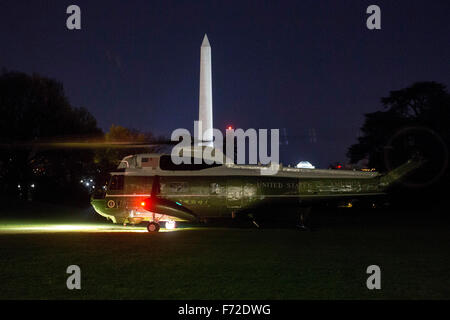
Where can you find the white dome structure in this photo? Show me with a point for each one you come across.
(305, 165)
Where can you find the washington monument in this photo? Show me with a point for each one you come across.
(205, 107)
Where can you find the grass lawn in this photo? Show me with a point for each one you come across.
(230, 263)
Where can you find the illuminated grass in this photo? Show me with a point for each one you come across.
(92, 228)
(205, 263)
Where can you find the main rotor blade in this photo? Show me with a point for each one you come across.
(81, 145)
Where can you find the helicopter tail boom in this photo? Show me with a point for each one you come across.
(401, 172)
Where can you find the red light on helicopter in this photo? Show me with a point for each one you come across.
(145, 203)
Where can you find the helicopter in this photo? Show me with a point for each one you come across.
(151, 188)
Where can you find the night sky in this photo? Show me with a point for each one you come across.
(301, 66)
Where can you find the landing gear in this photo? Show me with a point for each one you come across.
(253, 220)
(153, 227)
(304, 219)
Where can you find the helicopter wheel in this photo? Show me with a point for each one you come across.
(153, 227)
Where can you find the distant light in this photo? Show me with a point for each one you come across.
(32, 185)
(143, 203)
(170, 225)
(339, 166)
(305, 165)
(18, 186)
(230, 128)
(87, 184)
(81, 181)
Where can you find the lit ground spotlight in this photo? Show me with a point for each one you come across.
(84, 228)
(170, 225)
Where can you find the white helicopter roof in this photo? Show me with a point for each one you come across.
(149, 164)
(206, 153)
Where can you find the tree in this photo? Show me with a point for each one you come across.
(35, 108)
(109, 158)
(424, 104)
(414, 119)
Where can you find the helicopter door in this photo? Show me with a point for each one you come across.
(234, 194)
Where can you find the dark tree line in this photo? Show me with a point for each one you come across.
(35, 109)
(422, 104)
(413, 119)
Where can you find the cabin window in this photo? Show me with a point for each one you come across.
(116, 182)
(214, 188)
(177, 187)
(149, 163)
(165, 163)
(138, 184)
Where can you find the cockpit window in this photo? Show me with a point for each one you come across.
(123, 164)
(127, 162)
(116, 182)
(149, 163)
(165, 163)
